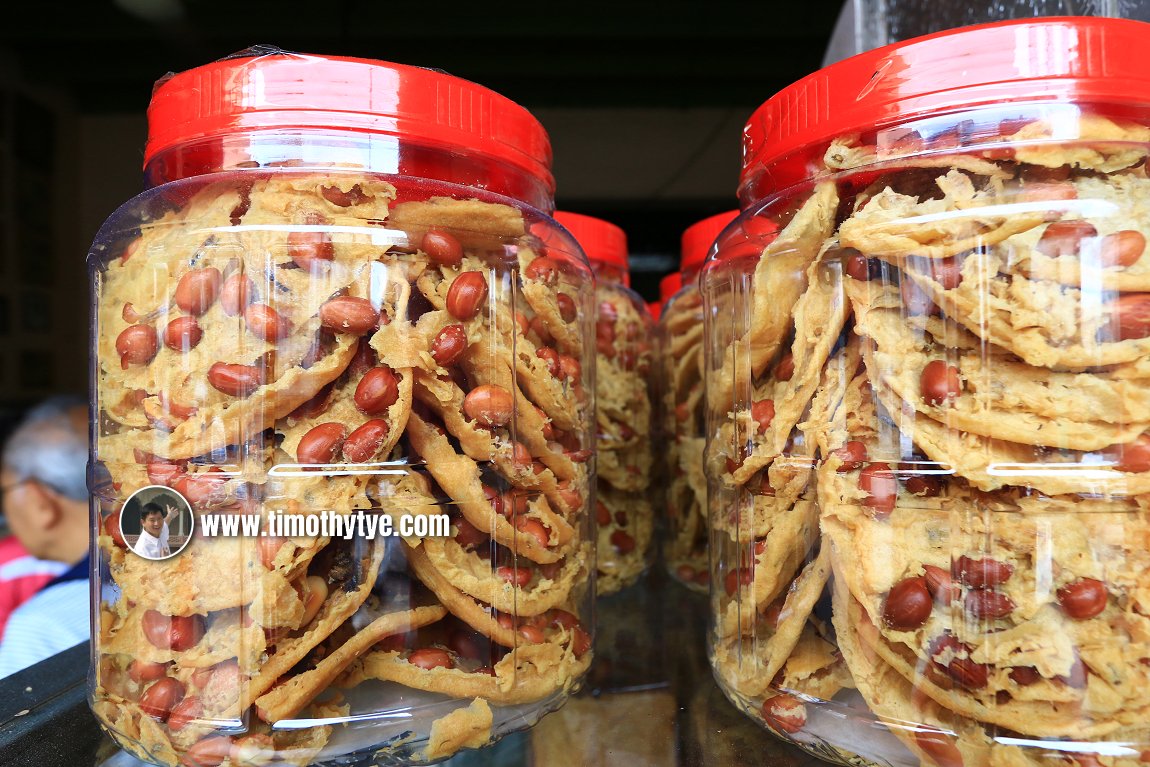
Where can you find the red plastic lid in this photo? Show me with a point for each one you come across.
(298, 91)
(698, 238)
(601, 240)
(1066, 59)
(669, 286)
(655, 309)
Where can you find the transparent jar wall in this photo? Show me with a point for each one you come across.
(926, 449)
(624, 333)
(685, 544)
(290, 343)
(319, 150)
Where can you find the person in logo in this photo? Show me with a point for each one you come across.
(153, 541)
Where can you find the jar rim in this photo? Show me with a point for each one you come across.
(268, 88)
(1068, 59)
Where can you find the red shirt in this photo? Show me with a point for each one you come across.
(21, 576)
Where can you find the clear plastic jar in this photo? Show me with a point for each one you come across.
(624, 333)
(681, 330)
(329, 314)
(927, 450)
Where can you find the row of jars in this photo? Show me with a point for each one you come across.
(901, 390)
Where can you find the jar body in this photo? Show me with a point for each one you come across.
(336, 370)
(685, 544)
(925, 445)
(624, 333)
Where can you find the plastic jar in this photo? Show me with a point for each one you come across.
(329, 307)
(927, 409)
(624, 356)
(681, 330)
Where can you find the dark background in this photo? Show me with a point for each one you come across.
(644, 102)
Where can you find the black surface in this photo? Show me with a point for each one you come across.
(44, 716)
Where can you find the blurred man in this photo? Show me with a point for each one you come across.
(21, 576)
(44, 495)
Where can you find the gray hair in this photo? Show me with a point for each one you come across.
(48, 446)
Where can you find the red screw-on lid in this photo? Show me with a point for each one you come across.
(1072, 59)
(601, 240)
(296, 91)
(698, 238)
(669, 286)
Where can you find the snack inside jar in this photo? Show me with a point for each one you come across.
(927, 416)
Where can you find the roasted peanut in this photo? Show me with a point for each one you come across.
(147, 671)
(183, 334)
(878, 482)
(907, 605)
(185, 712)
(236, 294)
(940, 383)
(266, 323)
(785, 369)
(947, 272)
(915, 300)
(852, 455)
(362, 444)
(1024, 675)
(442, 247)
(784, 712)
(983, 604)
(1064, 238)
(567, 309)
(542, 268)
(377, 391)
(740, 576)
(349, 314)
(209, 752)
(197, 290)
(137, 345)
(1083, 599)
(428, 658)
(179, 632)
(466, 295)
(569, 368)
(489, 406)
(982, 573)
(449, 345)
(1122, 248)
(602, 514)
(1130, 316)
(1132, 457)
(857, 266)
(159, 699)
(309, 249)
(235, 380)
(622, 542)
(518, 576)
(939, 583)
(939, 747)
(535, 529)
(342, 199)
(551, 357)
(762, 413)
(923, 485)
(321, 443)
